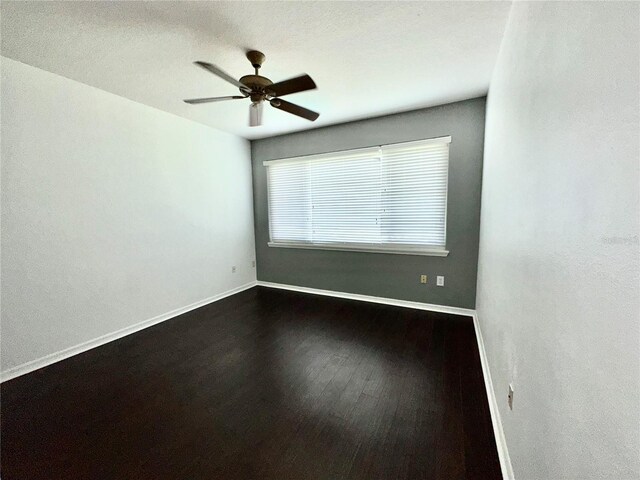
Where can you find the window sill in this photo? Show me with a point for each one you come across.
(364, 248)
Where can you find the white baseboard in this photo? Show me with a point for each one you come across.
(498, 432)
(369, 298)
(109, 337)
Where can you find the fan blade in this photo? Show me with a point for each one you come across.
(294, 109)
(255, 114)
(220, 73)
(293, 85)
(195, 101)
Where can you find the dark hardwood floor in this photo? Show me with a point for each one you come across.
(265, 384)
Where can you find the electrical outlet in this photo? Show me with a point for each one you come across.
(440, 281)
(253, 264)
(233, 269)
(510, 397)
(423, 279)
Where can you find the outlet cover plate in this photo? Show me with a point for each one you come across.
(510, 397)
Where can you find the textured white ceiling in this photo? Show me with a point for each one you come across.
(367, 58)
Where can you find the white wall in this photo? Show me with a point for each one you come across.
(558, 283)
(112, 213)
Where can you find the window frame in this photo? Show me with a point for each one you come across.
(390, 248)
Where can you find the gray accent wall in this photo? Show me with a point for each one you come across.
(382, 274)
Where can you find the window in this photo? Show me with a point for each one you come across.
(391, 198)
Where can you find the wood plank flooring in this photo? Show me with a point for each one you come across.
(265, 384)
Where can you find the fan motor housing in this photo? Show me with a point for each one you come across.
(257, 84)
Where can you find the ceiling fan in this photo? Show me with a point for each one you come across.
(259, 89)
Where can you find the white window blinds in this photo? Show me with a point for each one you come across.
(389, 198)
